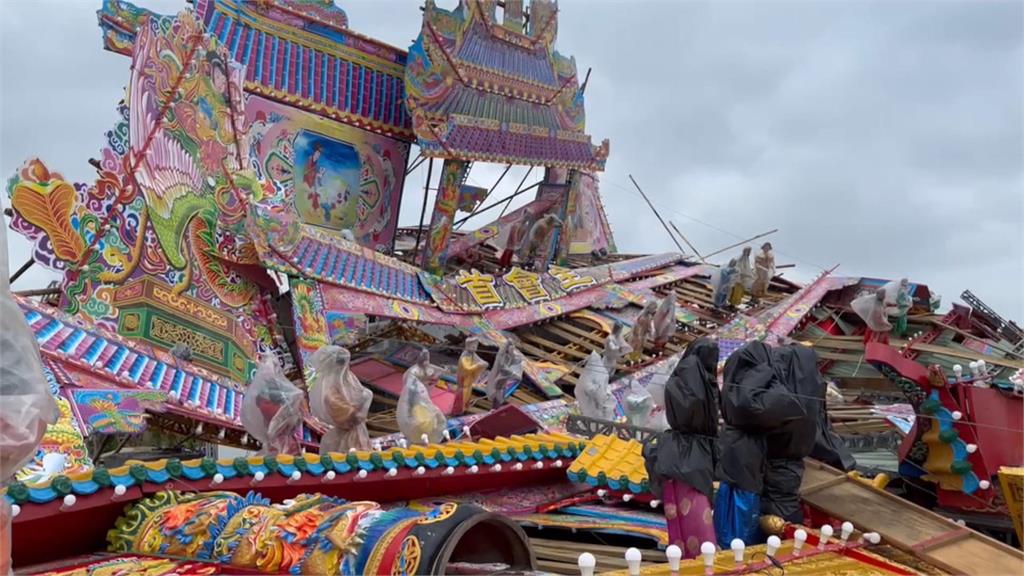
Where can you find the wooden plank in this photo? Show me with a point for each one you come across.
(547, 344)
(907, 526)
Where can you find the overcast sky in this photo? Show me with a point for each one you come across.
(882, 136)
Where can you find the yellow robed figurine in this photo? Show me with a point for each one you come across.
(471, 368)
(417, 414)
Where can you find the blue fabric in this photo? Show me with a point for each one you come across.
(737, 513)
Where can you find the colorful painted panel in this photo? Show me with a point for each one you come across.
(783, 322)
(337, 298)
(588, 227)
(169, 202)
(496, 233)
(295, 51)
(478, 90)
(63, 437)
(453, 173)
(115, 411)
(116, 564)
(333, 175)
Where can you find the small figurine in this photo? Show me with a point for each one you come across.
(508, 368)
(338, 398)
(615, 347)
(514, 242)
(872, 310)
(427, 373)
(540, 233)
(593, 394)
(727, 276)
(417, 415)
(639, 403)
(182, 351)
(272, 409)
(665, 320)
(764, 270)
(745, 279)
(898, 303)
(642, 328)
(471, 368)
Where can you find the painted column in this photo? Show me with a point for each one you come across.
(452, 175)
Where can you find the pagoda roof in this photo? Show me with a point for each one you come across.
(479, 90)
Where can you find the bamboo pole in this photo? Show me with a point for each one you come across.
(423, 211)
(673, 224)
(660, 219)
(747, 241)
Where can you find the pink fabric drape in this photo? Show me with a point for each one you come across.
(688, 514)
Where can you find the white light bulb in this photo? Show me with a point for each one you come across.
(845, 531)
(518, 466)
(707, 550)
(825, 533)
(449, 471)
(873, 537)
(627, 497)
(258, 477)
(217, 478)
(295, 476)
(633, 558)
(496, 468)
(773, 545)
(971, 448)
(15, 510)
(655, 503)
(586, 563)
(330, 475)
(474, 469)
(362, 473)
(69, 501)
(420, 470)
(956, 414)
(984, 484)
(799, 538)
(674, 554)
(392, 472)
(738, 547)
(120, 489)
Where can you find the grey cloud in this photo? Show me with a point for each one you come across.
(884, 136)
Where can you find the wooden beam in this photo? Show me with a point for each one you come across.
(660, 219)
(423, 211)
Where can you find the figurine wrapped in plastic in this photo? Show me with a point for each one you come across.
(642, 328)
(339, 399)
(26, 405)
(508, 368)
(471, 368)
(871, 309)
(638, 405)
(723, 283)
(514, 242)
(427, 373)
(898, 302)
(536, 244)
(745, 278)
(764, 270)
(417, 414)
(593, 394)
(272, 409)
(665, 320)
(615, 347)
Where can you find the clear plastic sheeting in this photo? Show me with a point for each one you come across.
(643, 327)
(272, 409)
(26, 405)
(417, 414)
(745, 270)
(593, 393)
(339, 399)
(872, 310)
(722, 282)
(615, 347)
(638, 405)
(508, 368)
(665, 320)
